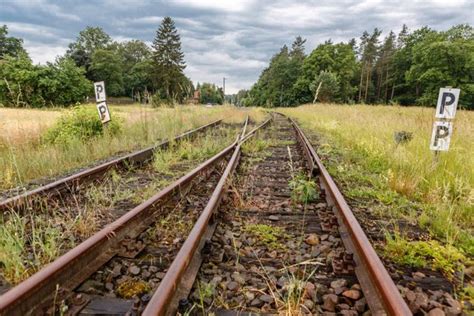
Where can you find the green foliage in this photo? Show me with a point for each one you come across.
(329, 86)
(106, 65)
(275, 85)
(80, 123)
(406, 69)
(338, 59)
(444, 258)
(168, 63)
(28, 85)
(303, 189)
(209, 93)
(270, 236)
(9, 45)
(89, 40)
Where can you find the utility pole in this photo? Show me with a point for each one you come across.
(223, 88)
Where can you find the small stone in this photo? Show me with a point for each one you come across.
(216, 279)
(273, 218)
(266, 298)
(312, 239)
(146, 274)
(176, 240)
(453, 303)
(436, 312)
(347, 312)
(109, 286)
(418, 275)
(330, 301)
(134, 270)
(160, 275)
(324, 237)
(153, 269)
(238, 278)
(309, 304)
(249, 296)
(310, 291)
(338, 283)
(352, 294)
(117, 270)
(360, 305)
(321, 205)
(343, 306)
(257, 303)
(233, 286)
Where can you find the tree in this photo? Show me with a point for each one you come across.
(443, 59)
(368, 51)
(10, 46)
(28, 85)
(137, 67)
(89, 40)
(210, 94)
(168, 62)
(329, 86)
(338, 59)
(383, 67)
(63, 83)
(106, 65)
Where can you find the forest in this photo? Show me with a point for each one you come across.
(129, 68)
(406, 69)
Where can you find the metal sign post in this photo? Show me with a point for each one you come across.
(445, 111)
(100, 97)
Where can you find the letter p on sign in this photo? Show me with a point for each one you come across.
(447, 103)
(99, 89)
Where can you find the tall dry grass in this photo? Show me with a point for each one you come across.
(23, 157)
(443, 185)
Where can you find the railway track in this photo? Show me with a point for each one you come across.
(31, 198)
(265, 232)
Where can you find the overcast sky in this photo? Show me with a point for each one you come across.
(222, 38)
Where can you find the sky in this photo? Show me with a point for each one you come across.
(222, 38)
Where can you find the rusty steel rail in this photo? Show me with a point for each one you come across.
(164, 300)
(54, 188)
(67, 272)
(379, 289)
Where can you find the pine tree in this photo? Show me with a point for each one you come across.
(168, 62)
(297, 48)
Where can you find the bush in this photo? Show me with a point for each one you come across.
(80, 123)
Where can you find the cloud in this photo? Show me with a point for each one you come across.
(228, 38)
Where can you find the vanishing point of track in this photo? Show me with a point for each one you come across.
(198, 196)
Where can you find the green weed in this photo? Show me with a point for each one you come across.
(270, 236)
(303, 190)
(418, 254)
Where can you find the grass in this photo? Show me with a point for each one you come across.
(399, 179)
(417, 254)
(270, 236)
(24, 157)
(27, 243)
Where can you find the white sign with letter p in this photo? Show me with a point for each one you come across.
(447, 103)
(104, 113)
(441, 136)
(99, 89)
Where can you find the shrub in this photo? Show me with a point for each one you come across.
(80, 123)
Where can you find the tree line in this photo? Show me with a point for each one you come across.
(407, 69)
(129, 68)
